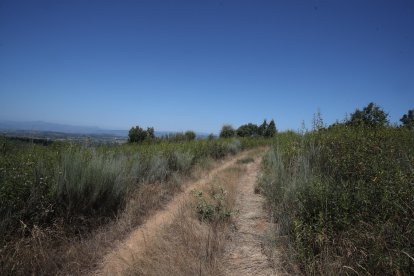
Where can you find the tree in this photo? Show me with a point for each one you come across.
(136, 135)
(372, 115)
(262, 128)
(190, 135)
(271, 129)
(247, 130)
(151, 132)
(408, 119)
(227, 131)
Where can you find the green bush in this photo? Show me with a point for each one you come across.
(27, 176)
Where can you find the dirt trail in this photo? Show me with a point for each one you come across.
(244, 254)
(117, 261)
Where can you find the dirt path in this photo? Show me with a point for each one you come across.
(244, 254)
(117, 261)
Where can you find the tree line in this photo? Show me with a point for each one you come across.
(137, 135)
(373, 115)
(250, 130)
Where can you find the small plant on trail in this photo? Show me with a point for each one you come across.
(212, 207)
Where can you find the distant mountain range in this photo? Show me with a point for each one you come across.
(46, 129)
(40, 126)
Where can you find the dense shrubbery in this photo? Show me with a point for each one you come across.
(345, 197)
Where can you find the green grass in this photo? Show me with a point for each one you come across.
(344, 197)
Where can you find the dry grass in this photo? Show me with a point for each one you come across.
(54, 251)
(189, 246)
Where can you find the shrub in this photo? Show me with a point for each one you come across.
(90, 182)
(158, 169)
(233, 147)
(212, 207)
(227, 131)
(26, 184)
(184, 161)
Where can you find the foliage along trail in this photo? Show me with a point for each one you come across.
(117, 261)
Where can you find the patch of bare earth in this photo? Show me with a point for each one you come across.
(245, 253)
(123, 255)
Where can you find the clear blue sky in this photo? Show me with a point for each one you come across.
(179, 65)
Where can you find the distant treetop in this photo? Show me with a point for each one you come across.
(137, 134)
(372, 116)
(407, 120)
(227, 131)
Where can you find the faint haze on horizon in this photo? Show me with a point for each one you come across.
(178, 65)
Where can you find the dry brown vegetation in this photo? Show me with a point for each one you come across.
(193, 243)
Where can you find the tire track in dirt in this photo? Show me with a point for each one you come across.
(119, 259)
(245, 252)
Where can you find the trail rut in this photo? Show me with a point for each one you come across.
(121, 257)
(245, 253)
